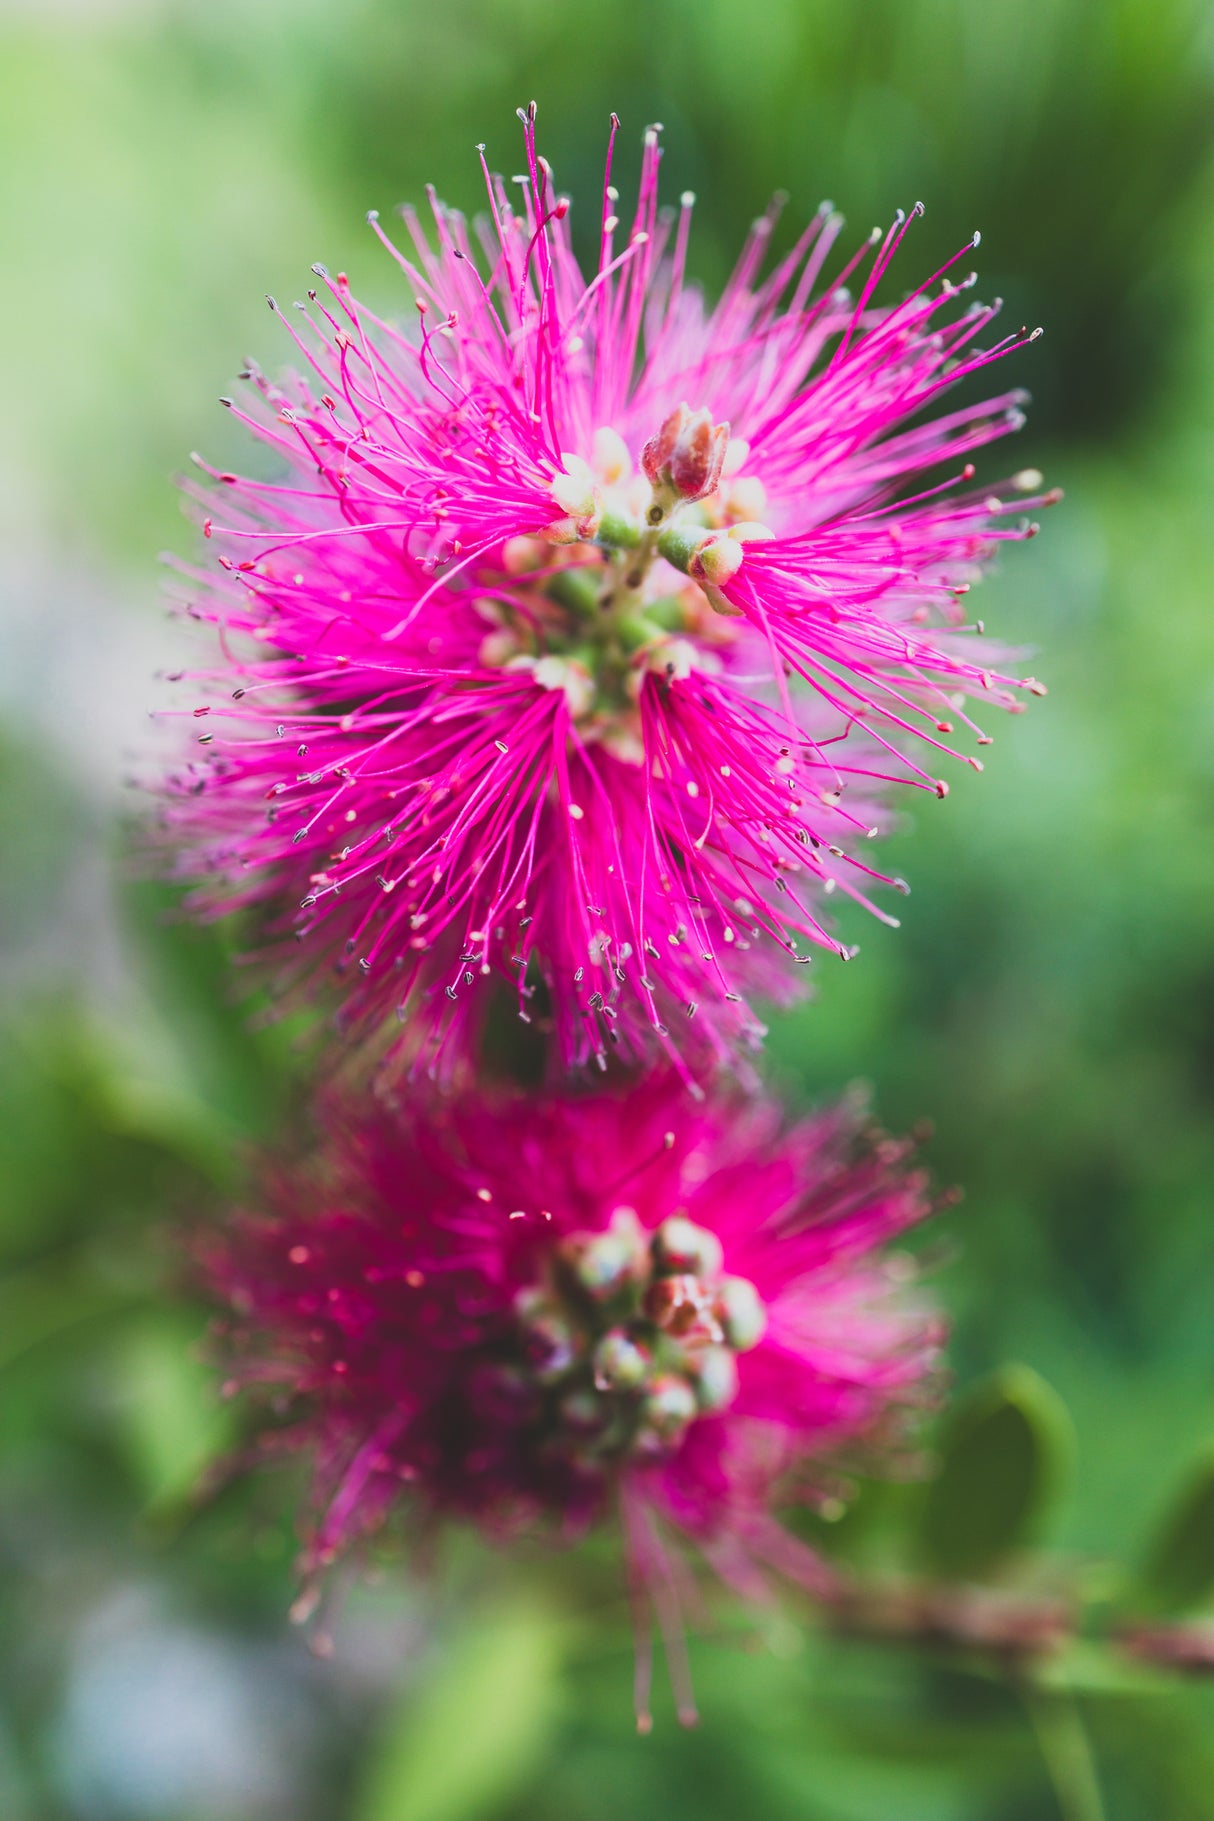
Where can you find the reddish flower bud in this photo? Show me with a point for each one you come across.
(687, 454)
(683, 1307)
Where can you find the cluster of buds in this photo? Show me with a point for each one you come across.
(690, 462)
(683, 463)
(632, 1336)
(620, 583)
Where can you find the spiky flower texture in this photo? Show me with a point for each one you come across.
(531, 1313)
(584, 627)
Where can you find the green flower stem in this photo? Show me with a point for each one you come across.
(1066, 1750)
(679, 543)
(616, 532)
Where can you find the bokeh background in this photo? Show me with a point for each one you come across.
(163, 164)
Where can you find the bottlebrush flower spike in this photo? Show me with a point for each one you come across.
(535, 1314)
(585, 627)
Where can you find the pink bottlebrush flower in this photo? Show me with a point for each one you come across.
(531, 1313)
(584, 627)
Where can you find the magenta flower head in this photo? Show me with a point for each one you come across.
(582, 628)
(535, 1314)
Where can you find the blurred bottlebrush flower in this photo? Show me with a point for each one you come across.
(537, 1314)
(585, 626)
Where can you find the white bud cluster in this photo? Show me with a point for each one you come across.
(631, 1336)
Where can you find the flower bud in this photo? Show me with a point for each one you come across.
(669, 1407)
(604, 1263)
(520, 555)
(619, 1363)
(497, 649)
(551, 672)
(677, 658)
(577, 495)
(687, 453)
(567, 530)
(679, 1245)
(746, 499)
(717, 560)
(612, 460)
(751, 531)
(716, 1378)
(736, 452)
(711, 558)
(739, 1308)
(549, 1343)
(682, 1307)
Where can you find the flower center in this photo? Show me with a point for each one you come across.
(627, 579)
(632, 1335)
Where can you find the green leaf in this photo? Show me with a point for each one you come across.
(1091, 1667)
(46, 1301)
(467, 1740)
(173, 1424)
(1005, 1459)
(1178, 1574)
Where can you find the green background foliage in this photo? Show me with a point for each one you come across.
(163, 164)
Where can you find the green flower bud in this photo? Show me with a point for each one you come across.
(717, 560)
(716, 1378)
(679, 1245)
(740, 1309)
(669, 1406)
(604, 1263)
(620, 1364)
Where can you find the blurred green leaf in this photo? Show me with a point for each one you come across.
(1087, 1666)
(172, 1422)
(1178, 1572)
(467, 1740)
(241, 1065)
(162, 1115)
(1005, 1458)
(46, 1300)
